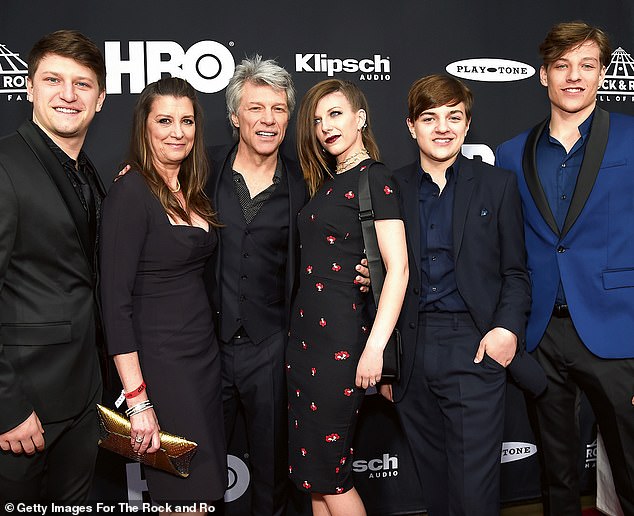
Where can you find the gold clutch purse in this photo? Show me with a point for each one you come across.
(174, 455)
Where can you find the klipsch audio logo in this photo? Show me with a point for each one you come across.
(207, 65)
(376, 68)
(490, 70)
(13, 73)
(512, 451)
(618, 84)
(386, 466)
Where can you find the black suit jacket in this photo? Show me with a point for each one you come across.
(489, 253)
(48, 357)
(298, 196)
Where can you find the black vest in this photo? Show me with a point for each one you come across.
(252, 262)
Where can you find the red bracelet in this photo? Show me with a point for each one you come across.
(135, 392)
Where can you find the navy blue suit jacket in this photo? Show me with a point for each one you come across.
(594, 252)
(490, 260)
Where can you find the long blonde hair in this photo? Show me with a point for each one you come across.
(314, 160)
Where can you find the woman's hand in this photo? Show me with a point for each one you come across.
(369, 367)
(385, 390)
(144, 434)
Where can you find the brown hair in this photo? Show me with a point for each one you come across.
(73, 45)
(437, 90)
(194, 168)
(567, 36)
(315, 162)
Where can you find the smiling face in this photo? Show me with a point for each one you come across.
(573, 80)
(170, 131)
(262, 119)
(65, 96)
(440, 133)
(338, 126)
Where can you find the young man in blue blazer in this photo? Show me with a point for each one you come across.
(576, 178)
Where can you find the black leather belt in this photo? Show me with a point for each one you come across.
(561, 311)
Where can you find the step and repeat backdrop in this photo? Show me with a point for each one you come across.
(383, 46)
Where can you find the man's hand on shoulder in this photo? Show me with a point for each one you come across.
(25, 438)
(500, 344)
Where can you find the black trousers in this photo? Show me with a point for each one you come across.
(609, 386)
(63, 471)
(453, 417)
(254, 381)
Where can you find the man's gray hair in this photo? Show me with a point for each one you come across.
(262, 72)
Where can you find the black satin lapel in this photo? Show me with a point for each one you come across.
(465, 184)
(56, 172)
(592, 158)
(529, 166)
(409, 196)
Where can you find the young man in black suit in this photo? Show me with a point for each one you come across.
(465, 308)
(50, 196)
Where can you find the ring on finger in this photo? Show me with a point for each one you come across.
(138, 439)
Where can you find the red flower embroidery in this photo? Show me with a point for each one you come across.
(288, 367)
(312, 217)
(301, 312)
(322, 322)
(387, 190)
(304, 345)
(313, 371)
(338, 490)
(363, 168)
(347, 235)
(342, 355)
(313, 407)
(309, 269)
(342, 461)
(364, 329)
(349, 195)
(336, 267)
(329, 191)
(319, 286)
(331, 438)
(303, 451)
(296, 424)
(348, 392)
(354, 306)
(330, 239)
(351, 451)
(337, 469)
(306, 484)
(290, 470)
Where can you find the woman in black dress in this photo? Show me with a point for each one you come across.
(335, 350)
(157, 233)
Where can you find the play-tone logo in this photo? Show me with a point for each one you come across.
(239, 478)
(206, 65)
(514, 450)
(376, 68)
(618, 84)
(490, 70)
(13, 73)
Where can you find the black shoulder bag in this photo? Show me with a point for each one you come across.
(392, 352)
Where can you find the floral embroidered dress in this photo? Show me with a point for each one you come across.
(330, 323)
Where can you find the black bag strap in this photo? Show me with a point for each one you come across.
(366, 216)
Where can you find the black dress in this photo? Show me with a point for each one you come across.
(330, 324)
(154, 302)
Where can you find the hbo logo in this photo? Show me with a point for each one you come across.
(207, 65)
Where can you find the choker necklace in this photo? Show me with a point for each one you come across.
(346, 163)
(178, 187)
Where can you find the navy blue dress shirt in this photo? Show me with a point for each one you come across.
(558, 171)
(439, 291)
